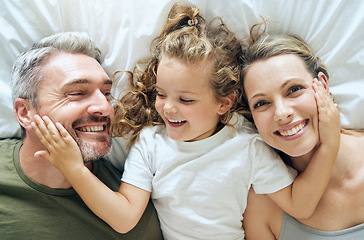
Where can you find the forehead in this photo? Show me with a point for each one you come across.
(277, 68)
(174, 69)
(65, 67)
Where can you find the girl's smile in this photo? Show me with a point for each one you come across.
(185, 100)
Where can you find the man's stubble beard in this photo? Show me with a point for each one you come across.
(93, 151)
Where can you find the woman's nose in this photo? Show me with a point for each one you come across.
(283, 110)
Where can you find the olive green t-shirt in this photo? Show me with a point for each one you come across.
(29, 210)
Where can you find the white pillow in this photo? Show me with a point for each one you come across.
(124, 29)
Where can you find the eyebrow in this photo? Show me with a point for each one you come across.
(83, 81)
(179, 92)
(282, 86)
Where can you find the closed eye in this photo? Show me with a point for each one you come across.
(185, 100)
(78, 93)
(159, 94)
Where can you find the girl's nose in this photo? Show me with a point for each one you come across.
(169, 107)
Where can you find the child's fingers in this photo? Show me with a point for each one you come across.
(328, 114)
(42, 154)
(64, 133)
(42, 129)
(39, 134)
(51, 127)
(48, 129)
(321, 95)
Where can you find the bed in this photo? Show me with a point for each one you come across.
(124, 29)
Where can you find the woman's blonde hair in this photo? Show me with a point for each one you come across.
(264, 46)
(269, 45)
(187, 37)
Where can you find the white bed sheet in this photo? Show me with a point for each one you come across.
(124, 29)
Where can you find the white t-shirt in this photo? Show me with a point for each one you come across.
(200, 188)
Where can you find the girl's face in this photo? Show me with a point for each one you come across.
(186, 101)
(281, 98)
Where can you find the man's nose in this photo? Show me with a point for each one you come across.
(99, 104)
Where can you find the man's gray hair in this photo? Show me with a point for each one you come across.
(27, 69)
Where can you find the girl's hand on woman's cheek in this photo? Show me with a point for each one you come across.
(328, 115)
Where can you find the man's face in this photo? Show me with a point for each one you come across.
(75, 91)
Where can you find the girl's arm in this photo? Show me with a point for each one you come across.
(301, 198)
(121, 210)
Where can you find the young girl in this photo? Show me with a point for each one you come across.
(192, 154)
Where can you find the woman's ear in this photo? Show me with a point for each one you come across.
(226, 104)
(323, 79)
(24, 112)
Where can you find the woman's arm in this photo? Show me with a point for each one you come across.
(121, 210)
(262, 218)
(301, 198)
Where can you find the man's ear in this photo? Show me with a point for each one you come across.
(226, 104)
(24, 112)
(322, 78)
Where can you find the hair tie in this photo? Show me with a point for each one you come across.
(192, 22)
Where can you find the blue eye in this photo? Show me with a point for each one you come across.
(259, 104)
(295, 88)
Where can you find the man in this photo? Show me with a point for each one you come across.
(61, 77)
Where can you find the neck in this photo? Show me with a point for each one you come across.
(41, 170)
(300, 163)
(348, 162)
(344, 164)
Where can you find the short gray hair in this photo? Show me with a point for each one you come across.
(27, 69)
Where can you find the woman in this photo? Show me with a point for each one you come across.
(277, 73)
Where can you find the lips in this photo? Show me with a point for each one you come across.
(291, 130)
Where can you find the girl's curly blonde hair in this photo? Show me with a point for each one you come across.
(187, 37)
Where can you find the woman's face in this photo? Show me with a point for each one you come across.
(281, 99)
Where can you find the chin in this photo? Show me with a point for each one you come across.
(95, 150)
(298, 152)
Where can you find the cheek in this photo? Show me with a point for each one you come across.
(262, 121)
(158, 105)
(62, 111)
(56, 105)
(308, 105)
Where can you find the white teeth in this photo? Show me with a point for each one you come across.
(93, 129)
(292, 131)
(175, 121)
